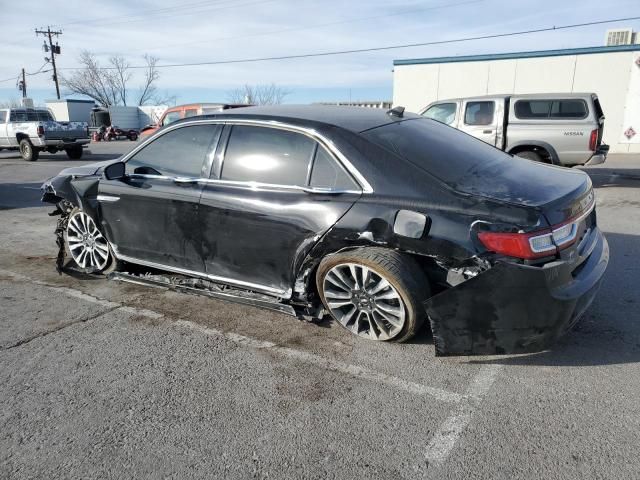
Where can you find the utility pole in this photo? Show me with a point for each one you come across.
(55, 50)
(22, 85)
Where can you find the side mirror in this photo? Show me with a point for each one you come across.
(115, 171)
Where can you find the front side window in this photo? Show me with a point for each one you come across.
(170, 118)
(479, 113)
(443, 113)
(178, 153)
(328, 173)
(267, 155)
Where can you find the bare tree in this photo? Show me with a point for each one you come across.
(258, 94)
(110, 85)
(11, 103)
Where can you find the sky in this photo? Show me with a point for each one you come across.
(200, 30)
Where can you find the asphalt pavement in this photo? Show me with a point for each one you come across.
(100, 379)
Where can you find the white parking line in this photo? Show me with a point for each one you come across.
(298, 355)
(447, 435)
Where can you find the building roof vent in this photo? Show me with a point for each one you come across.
(620, 36)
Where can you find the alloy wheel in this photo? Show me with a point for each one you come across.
(363, 301)
(87, 245)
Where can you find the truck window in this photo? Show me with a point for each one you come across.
(442, 112)
(170, 118)
(3, 116)
(479, 113)
(18, 116)
(569, 109)
(555, 109)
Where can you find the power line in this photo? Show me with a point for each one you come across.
(377, 49)
(320, 25)
(55, 50)
(145, 18)
(147, 13)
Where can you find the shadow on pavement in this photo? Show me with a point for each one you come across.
(20, 195)
(614, 177)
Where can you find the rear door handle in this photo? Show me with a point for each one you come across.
(487, 131)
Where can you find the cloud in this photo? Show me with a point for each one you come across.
(234, 29)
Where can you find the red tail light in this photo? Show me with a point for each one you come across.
(40, 130)
(593, 140)
(516, 244)
(531, 245)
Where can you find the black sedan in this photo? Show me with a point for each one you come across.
(380, 219)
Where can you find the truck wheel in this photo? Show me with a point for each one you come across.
(74, 153)
(530, 155)
(374, 293)
(27, 151)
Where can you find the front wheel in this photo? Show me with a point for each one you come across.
(374, 293)
(86, 244)
(27, 151)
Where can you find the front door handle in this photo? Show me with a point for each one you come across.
(185, 180)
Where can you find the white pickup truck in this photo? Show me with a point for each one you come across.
(32, 130)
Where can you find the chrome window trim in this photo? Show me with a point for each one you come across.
(314, 134)
(285, 294)
(247, 185)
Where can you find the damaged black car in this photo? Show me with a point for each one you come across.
(382, 220)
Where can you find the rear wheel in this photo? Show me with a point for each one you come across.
(27, 151)
(74, 153)
(374, 293)
(530, 155)
(86, 244)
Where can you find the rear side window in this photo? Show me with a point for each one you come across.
(18, 116)
(190, 113)
(267, 155)
(179, 153)
(554, 109)
(479, 113)
(443, 113)
(328, 173)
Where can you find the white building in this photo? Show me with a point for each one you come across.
(612, 72)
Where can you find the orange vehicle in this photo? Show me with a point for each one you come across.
(183, 111)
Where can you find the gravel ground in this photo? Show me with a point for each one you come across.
(101, 379)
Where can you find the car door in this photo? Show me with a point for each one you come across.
(151, 216)
(4, 141)
(272, 194)
(480, 119)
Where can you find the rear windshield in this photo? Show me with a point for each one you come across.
(443, 151)
(30, 116)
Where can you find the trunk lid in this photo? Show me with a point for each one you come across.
(559, 193)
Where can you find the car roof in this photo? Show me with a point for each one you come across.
(355, 119)
(522, 96)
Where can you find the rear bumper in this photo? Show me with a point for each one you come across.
(599, 156)
(514, 308)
